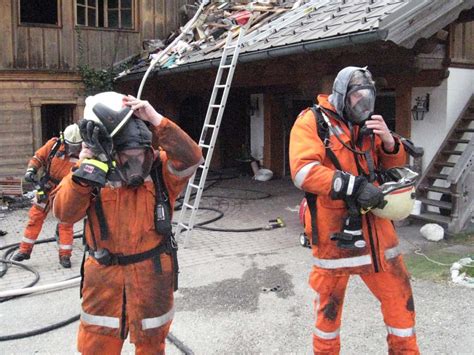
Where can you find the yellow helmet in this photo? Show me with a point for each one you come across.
(399, 194)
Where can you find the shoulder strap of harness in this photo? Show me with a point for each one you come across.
(163, 218)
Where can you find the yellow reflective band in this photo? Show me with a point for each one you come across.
(102, 166)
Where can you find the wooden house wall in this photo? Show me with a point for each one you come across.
(65, 46)
(21, 97)
(461, 44)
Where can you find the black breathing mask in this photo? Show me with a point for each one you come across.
(360, 103)
(134, 165)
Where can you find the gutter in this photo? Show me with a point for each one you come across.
(270, 53)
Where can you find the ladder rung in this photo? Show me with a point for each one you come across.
(231, 46)
(210, 125)
(207, 146)
(216, 106)
(187, 205)
(438, 176)
(227, 66)
(221, 86)
(202, 166)
(194, 186)
(184, 225)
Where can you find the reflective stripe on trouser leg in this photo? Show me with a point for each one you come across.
(330, 291)
(100, 321)
(26, 245)
(66, 238)
(393, 290)
(156, 322)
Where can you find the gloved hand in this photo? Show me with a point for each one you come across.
(91, 172)
(370, 196)
(356, 189)
(97, 139)
(30, 175)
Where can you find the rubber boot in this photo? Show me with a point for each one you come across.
(65, 261)
(20, 256)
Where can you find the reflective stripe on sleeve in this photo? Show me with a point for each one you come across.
(350, 186)
(65, 246)
(342, 262)
(150, 323)
(303, 172)
(27, 240)
(326, 335)
(401, 332)
(392, 252)
(101, 321)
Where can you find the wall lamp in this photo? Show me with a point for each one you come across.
(421, 107)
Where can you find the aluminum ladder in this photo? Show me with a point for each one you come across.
(209, 133)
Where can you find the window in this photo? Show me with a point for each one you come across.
(43, 12)
(105, 13)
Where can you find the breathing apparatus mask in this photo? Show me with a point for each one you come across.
(134, 165)
(359, 102)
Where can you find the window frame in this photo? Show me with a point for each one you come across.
(34, 24)
(133, 15)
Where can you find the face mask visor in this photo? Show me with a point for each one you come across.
(73, 149)
(134, 165)
(360, 103)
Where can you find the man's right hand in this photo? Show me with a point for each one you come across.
(96, 138)
(30, 175)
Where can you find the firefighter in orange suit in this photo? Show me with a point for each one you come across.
(56, 158)
(336, 150)
(132, 267)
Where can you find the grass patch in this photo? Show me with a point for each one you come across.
(421, 268)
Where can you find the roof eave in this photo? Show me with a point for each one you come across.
(274, 52)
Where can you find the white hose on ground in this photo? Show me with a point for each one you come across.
(49, 287)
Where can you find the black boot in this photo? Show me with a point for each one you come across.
(65, 261)
(20, 256)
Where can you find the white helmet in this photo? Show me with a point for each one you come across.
(399, 194)
(72, 135)
(113, 100)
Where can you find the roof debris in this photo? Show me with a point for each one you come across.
(210, 31)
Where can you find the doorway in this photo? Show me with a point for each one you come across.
(54, 119)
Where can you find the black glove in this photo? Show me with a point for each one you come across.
(97, 139)
(91, 172)
(356, 189)
(30, 175)
(370, 196)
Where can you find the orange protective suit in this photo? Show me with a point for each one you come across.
(60, 166)
(379, 263)
(138, 297)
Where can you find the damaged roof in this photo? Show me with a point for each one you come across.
(316, 25)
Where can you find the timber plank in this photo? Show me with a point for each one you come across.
(51, 48)
(21, 50)
(6, 53)
(36, 47)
